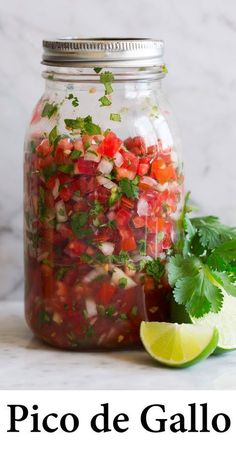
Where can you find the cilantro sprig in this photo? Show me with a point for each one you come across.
(203, 264)
(85, 125)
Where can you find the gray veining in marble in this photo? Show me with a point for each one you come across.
(200, 54)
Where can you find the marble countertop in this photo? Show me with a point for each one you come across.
(27, 363)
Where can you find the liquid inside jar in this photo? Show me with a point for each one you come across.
(100, 219)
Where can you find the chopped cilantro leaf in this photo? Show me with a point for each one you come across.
(49, 171)
(105, 102)
(53, 135)
(115, 117)
(130, 187)
(85, 125)
(66, 168)
(106, 78)
(75, 154)
(96, 208)
(142, 246)
(49, 110)
(79, 219)
(97, 69)
(155, 268)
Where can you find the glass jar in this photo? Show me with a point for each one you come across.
(103, 194)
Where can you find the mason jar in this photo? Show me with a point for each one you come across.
(103, 194)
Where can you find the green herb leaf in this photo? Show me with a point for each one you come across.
(66, 168)
(85, 125)
(106, 78)
(114, 196)
(130, 187)
(49, 110)
(105, 102)
(142, 247)
(115, 117)
(212, 233)
(198, 293)
(79, 220)
(155, 269)
(96, 208)
(75, 154)
(49, 171)
(97, 69)
(53, 135)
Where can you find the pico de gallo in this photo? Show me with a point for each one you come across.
(100, 219)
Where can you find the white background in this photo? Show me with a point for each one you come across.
(85, 404)
(200, 54)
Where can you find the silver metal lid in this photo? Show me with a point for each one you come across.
(114, 52)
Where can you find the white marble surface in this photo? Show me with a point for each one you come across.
(27, 363)
(200, 53)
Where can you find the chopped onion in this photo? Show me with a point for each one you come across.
(142, 207)
(149, 181)
(118, 159)
(55, 191)
(92, 155)
(91, 307)
(93, 275)
(118, 274)
(162, 187)
(57, 318)
(105, 166)
(107, 183)
(61, 212)
(107, 248)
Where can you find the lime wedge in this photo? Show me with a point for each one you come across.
(178, 345)
(225, 322)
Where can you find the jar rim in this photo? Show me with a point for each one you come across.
(112, 52)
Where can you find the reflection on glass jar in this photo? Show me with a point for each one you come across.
(103, 193)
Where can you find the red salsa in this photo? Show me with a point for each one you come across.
(100, 220)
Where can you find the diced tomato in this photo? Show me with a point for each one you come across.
(143, 166)
(49, 200)
(123, 172)
(44, 148)
(162, 172)
(85, 167)
(139, 222)
(136, 145)
(123, 216)
(152, 150)
(103, 234)
(81, 205)
(87, 184)
(66, 193)
(127, 202)
(50, 183)
(64, 178)
(130, 161)
(102, 194)
(110, 145)
(155, 225)
(75, 248)
(65, 144)
(65, 231)
(106, 293)
(128, 242)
